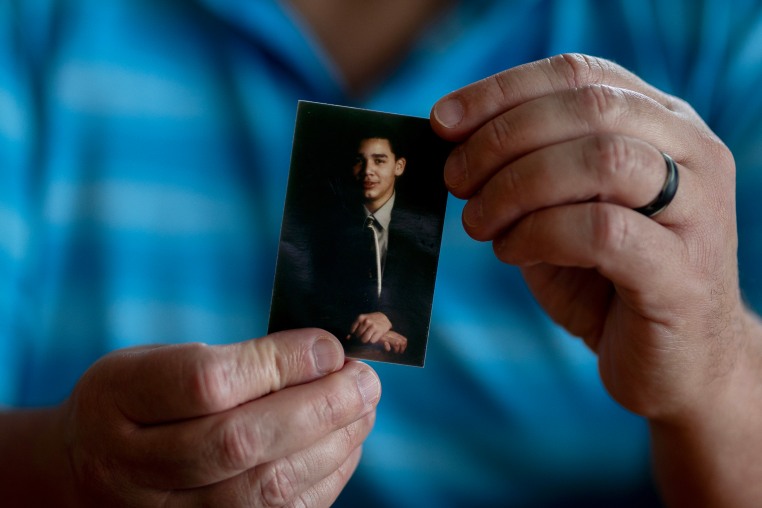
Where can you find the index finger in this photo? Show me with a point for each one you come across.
(458, 114)
(182, 381)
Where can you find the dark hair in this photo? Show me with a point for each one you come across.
(379, 130)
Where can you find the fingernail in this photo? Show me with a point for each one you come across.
(455, 170)
(369, 386)
(449, 113)
(473, 212)
(327, 355)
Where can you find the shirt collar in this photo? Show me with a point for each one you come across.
(287, 40)
(384, 214)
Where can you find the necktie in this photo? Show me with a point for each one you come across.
(374, 268)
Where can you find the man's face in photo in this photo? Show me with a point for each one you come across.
(376, 169)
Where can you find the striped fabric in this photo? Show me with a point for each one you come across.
(144, 150)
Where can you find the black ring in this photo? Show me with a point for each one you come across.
(667, 193)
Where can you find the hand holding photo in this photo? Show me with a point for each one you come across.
(361, 231)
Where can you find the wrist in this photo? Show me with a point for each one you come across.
(706, 454)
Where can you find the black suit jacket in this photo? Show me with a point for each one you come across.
(321, 279)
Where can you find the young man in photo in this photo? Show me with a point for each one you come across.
(375, 256)
(376, 170)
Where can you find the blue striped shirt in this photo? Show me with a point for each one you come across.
(144, 150)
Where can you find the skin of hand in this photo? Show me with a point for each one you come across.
(277, 421)
(552, 157)
(370, 328)
(393, 341)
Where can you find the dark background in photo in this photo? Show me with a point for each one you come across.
(311, 288)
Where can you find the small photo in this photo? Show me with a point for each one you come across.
(361, 231)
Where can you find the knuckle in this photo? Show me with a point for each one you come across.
(237, 449)
(577, 69)
(273, 364)
(610, 229)
(278, 369)
(508, 187)
(279, 485)
(599, 105)
(330, 409)
(498, 135)
(610, 156)
(505, 245)
(209, 378)
(355, 433)
(350, 435)
(677, 105)
(503, 86)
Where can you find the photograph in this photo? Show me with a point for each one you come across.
(361, 231)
